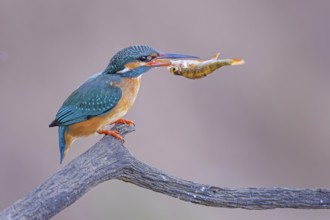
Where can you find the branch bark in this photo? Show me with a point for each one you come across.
(109, 159)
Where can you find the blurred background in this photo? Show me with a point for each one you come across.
(263, 124)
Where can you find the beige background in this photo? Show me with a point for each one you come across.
(266, 123)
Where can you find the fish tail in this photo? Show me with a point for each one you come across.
(235, 62)
(226, 62)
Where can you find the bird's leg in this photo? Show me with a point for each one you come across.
(123, 121)
(112, 133)
(115, 133)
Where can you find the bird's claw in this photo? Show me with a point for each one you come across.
(112, 133)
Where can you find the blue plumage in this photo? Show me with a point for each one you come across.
(95, 97)
(129, 54)
(61, 132)
(101, 93)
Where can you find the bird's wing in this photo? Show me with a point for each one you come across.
(95, 97)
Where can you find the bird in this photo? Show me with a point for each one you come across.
(105, 97)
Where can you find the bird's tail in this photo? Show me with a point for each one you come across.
(61, 138)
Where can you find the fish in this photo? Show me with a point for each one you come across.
(196, 69)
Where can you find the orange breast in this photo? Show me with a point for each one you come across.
(130, 88)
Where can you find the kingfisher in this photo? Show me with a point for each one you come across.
(107, 96)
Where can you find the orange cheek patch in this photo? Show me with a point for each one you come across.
(133, 65)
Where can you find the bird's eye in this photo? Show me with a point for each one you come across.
(145, 58)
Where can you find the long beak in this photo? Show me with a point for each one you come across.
(175, 56)
(164, 59)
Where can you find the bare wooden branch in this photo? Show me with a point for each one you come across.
(109, 159)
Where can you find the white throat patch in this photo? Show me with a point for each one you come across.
(126, 69)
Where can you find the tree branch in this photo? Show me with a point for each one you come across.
(109, 159)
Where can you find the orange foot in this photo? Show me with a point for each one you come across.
(124, 121)
(112, 133)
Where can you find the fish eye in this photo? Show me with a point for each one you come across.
(174, 69)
